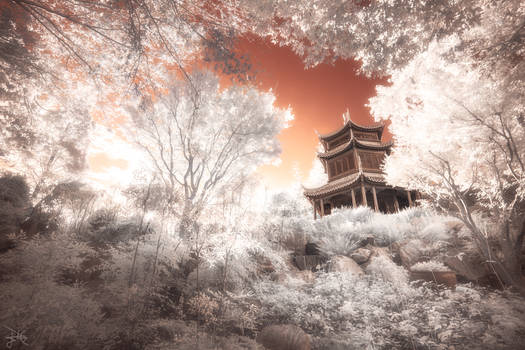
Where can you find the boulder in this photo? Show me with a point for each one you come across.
(376, 252)
(410, 252)
(379, 251)
(370, 240)
(467, 267)
(361, 255)
(340, 263)
(447, 278)
(284, 337)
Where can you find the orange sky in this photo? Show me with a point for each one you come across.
(317, 96)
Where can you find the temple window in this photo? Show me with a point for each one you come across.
(371, 160)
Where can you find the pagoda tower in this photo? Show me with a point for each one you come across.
(352, 157)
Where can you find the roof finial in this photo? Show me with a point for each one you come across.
(346, 117)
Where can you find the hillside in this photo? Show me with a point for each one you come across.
(106, 282)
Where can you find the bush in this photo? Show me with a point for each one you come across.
(14, 203)
(52, 314)
(373, 312)
(105, 229)
(344, 230)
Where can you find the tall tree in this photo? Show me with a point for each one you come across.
(200, 139)
(460, 137)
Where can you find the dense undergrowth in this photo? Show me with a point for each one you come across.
(117, 280)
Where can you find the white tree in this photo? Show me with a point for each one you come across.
(201, 139)
(383, 34)
(48, 143)
(317, 175)
(460, 137)
(457, 74)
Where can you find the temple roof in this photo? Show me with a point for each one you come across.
(374, 145)
(344, 183)
(350, 124)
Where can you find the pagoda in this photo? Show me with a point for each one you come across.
(352, 157)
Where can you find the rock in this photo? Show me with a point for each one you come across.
(379, 251)
(376, 252)
(361, 255)
(340, 263)
(367, 241)
(468, 267)
(447, 278)
(284, 337)
(411, 252)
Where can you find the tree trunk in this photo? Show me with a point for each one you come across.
(511, 249)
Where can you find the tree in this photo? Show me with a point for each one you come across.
(317, 175)
(383, 35)
(460, 137)
(200, 139)
(14, 205)
(138, 37)
(49, 145)
(457, 81)
(97, 55)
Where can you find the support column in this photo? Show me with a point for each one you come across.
(353, 198)
(410, 204)
(396, 203)
(363, 194)
(315, 210)
(376, 206)
(322, 207)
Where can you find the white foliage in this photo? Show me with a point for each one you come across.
(201, 141)
(431, 265)
(384, 268)
(317, 175)
(343, 230)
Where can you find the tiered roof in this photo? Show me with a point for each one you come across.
(349, 180)
(344, 183)
(373, 145)
(350, 124)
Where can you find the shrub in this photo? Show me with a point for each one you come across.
(53, 315)
(345, 229)
(373, 312)
(104, 229)
(14, 203)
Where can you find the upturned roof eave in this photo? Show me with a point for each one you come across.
(350, 144)
(352, 179)
(377, 127)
